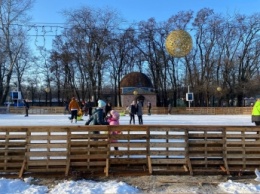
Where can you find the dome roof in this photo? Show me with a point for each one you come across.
(136, 79)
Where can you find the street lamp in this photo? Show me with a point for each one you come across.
(47, 90)
(219, 89)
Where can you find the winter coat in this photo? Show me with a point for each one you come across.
(114, 120)
(73, 105)
(97, 118)
(26, 104)
(132, 109)
(108, 108)
(139, 109)
(256, 111)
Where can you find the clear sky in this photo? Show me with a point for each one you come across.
(48, 11)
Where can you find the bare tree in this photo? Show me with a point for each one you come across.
(121, 59)
(12, 15)
(87, 37)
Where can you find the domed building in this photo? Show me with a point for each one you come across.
(137, 86)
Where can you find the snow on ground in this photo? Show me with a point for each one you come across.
(15, 186)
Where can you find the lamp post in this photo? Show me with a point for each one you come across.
(135, 92)
(219, 90)
(47, 90)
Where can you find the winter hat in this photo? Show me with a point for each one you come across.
(114, 114)
(101, 104)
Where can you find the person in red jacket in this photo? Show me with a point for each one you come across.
(73, 108)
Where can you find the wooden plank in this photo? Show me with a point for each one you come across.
(47, 163)
(13, 157)
(168, 145)
(209, 149)
(46, 145)
(46, 154)
(159, 136)
(150, 168)
(12, 165)
(206, 162)
(168, 161)
(22, 168)
(12, 151)
(16, 144)
(106, 171)
(96, 156)
(47, 137)
(90, 163)
(45, 170)
(173, 152)
(128, 160)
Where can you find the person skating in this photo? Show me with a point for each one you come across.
(132, 112)
(108, 108)
(113, 119)
(256, 113)
(26, 106)
(88, 108)
(97, 118)
(149, 106)
(74, 108)
(66, 107)
(139, 112)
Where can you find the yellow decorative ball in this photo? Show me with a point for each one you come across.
(178, 43)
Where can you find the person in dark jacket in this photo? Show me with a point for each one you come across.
(88, 108)
(149, 106)
(108, 108)
(139, 112)
(26, 106)
(66, 107)
(97, 118)
(132, 112)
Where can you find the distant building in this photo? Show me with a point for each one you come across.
(137, 86)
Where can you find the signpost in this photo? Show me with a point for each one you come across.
(189, 96)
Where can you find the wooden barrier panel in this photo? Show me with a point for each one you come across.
(46, 149)
(13, 141)
(145, 149)
(206, 149)
(169, 150)
(243, 148)
(129, 150)
(88, 150)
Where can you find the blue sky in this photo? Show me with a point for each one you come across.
(48, 11)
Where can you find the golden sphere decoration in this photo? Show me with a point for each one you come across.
(178, 43)
(135, 92)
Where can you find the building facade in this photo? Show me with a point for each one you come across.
(137, 86)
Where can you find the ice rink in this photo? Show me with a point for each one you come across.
(58, 120)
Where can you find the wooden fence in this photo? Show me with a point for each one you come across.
(146, 149)
(155, 110)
